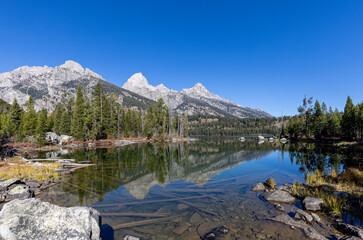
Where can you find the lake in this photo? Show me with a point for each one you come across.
(182, 190)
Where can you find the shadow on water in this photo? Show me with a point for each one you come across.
(171, 190)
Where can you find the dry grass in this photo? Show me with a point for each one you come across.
(333, 203)
(16, 168)
(351, 176)
(350, 181)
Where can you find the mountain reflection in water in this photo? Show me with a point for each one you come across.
(216, 173)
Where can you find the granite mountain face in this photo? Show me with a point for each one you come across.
(195, 100)
(47, 85)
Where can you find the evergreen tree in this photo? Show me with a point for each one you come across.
(30, 119)
(317, 119)
(175, 124)
(78, 120)
(42, 127)
(57, 119)
(16, 117)
(65, 124)
(348, 118)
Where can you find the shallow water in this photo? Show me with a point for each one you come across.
(184, 190)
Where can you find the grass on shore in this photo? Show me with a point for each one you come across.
(325, 186)
(17, 168)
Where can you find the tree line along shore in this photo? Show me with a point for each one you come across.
(89, 116)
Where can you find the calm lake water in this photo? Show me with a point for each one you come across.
(183, 190)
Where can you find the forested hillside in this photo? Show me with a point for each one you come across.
(221, 126)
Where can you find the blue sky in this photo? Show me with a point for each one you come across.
(263, 54)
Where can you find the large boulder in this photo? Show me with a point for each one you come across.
(19, 191)
(278, 196)
(34, 219)
(312, 203)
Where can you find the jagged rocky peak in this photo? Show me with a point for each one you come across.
(136, 80)
(72, 65)
(199, 91)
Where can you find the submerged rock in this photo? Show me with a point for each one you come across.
(182, 207)
(257, 187)
(196, 218)
(312, 203)
(216, 233)
(350, 229)
(34, 219)
(279, 207)
(300, 214)
(308, 230)
(278, 196)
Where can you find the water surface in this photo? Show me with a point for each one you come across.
(187, 189)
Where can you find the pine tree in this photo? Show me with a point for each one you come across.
(30, 119)
(175, 124)
(16, 118)
(317, 119)
(185, 125)
(65, 123)
(348, 119)
(42, 127)
(78, 120)
(97, 104)
(57, 119)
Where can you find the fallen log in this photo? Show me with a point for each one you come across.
(143, 222)
(133, 214)
(49, 160)
(146, 202)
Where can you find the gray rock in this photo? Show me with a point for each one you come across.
(52, 137)
(182, 207)
(350, 238)
(7, 183)
(301, 215)
(33, 184)
(196, 218)
(312, 203)
(257, 187)
(279, 207)
(278, 196)
(129, 237)
(350, 229)
(308, 230)
(34, 219)
(316, 217)
(20, 191)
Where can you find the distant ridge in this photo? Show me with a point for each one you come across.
(195, 100)
(46, 85)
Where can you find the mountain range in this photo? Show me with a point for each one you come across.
(47, 85)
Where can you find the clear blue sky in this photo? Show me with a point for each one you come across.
(263, 54)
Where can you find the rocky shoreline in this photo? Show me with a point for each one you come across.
(303, 212)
